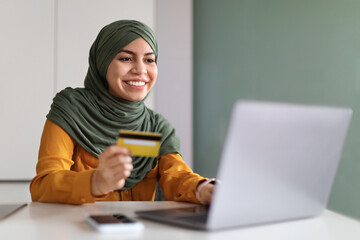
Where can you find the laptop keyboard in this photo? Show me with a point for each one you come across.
(200, 218)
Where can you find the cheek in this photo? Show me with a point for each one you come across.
(110, 72)
(110, 79)
(154, 73)
(114, 73)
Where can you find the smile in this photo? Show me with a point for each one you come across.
(136, 83)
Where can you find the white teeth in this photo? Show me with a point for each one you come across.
(138, 84)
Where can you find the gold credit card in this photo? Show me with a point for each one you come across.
(140, 143)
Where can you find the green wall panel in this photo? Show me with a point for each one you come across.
(303, 51)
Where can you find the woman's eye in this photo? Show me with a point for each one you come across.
(150, 60)
(125, 59)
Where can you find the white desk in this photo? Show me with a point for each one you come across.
(59, 221)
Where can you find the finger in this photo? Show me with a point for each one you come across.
(111, 176)
(119, 169)
(114, 150)
(117, 160)
(119, 184)
(124, 173)
(119, 180)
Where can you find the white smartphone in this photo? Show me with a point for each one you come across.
(115, 223)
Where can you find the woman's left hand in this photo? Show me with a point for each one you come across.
(206, 193)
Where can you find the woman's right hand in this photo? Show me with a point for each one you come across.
(115, 165)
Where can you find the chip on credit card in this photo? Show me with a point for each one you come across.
(140, 143)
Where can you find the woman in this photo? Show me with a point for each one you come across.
(78, 159)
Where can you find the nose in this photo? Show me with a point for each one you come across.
(139, 67)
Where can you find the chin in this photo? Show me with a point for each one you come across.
(135, 99)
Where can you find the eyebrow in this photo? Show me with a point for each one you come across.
(132, 53)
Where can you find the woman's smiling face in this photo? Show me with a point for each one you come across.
(133, 71)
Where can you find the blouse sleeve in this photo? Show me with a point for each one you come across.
(54, 182)
(177, 180)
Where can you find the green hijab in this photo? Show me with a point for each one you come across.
(93, 117)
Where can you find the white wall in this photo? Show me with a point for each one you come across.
(26, 62)
(174, 86)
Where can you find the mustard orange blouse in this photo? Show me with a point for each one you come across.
(64, 169)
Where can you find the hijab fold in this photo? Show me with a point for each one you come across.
(93, 117)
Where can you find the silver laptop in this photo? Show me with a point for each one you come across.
(8, 209)
(278, 163)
